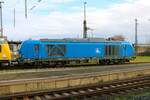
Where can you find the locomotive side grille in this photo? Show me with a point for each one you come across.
(111, 50)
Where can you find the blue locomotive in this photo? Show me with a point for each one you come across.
(66, 51)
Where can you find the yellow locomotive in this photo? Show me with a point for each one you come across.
(5, 53)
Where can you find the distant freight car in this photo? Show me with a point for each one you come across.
(65, 51)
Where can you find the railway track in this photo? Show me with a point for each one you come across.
(109, 88)
(11, 70)
(53, 72)
(16, 67)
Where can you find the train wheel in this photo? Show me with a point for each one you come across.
(78, 62)
(116, 61)
(111, 62)
(100, 62)
(103, 62)
(108, 62)
(121, 62)
(10, 64)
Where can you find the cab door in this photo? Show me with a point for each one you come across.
(123, 51)
(37, 51)
(1, 52)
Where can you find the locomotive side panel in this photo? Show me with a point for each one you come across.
(5, 53)
(128, 51)
(85, 50)
(29, 50)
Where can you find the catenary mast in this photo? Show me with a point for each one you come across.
(85, 22)
(1, 18)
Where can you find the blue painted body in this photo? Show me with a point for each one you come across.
(75, 50)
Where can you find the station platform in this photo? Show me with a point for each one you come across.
(71, 80)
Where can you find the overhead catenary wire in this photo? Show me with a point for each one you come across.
(34, 6)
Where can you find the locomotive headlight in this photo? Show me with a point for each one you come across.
(4, 56)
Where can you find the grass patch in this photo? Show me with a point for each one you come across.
(142, 59)
(142, 95)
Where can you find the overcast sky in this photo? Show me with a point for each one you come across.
(64, 19)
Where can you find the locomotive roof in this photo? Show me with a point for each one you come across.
(70, 40)
(74, 40)
(79, 40)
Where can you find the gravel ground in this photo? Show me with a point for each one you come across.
(40, 73)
